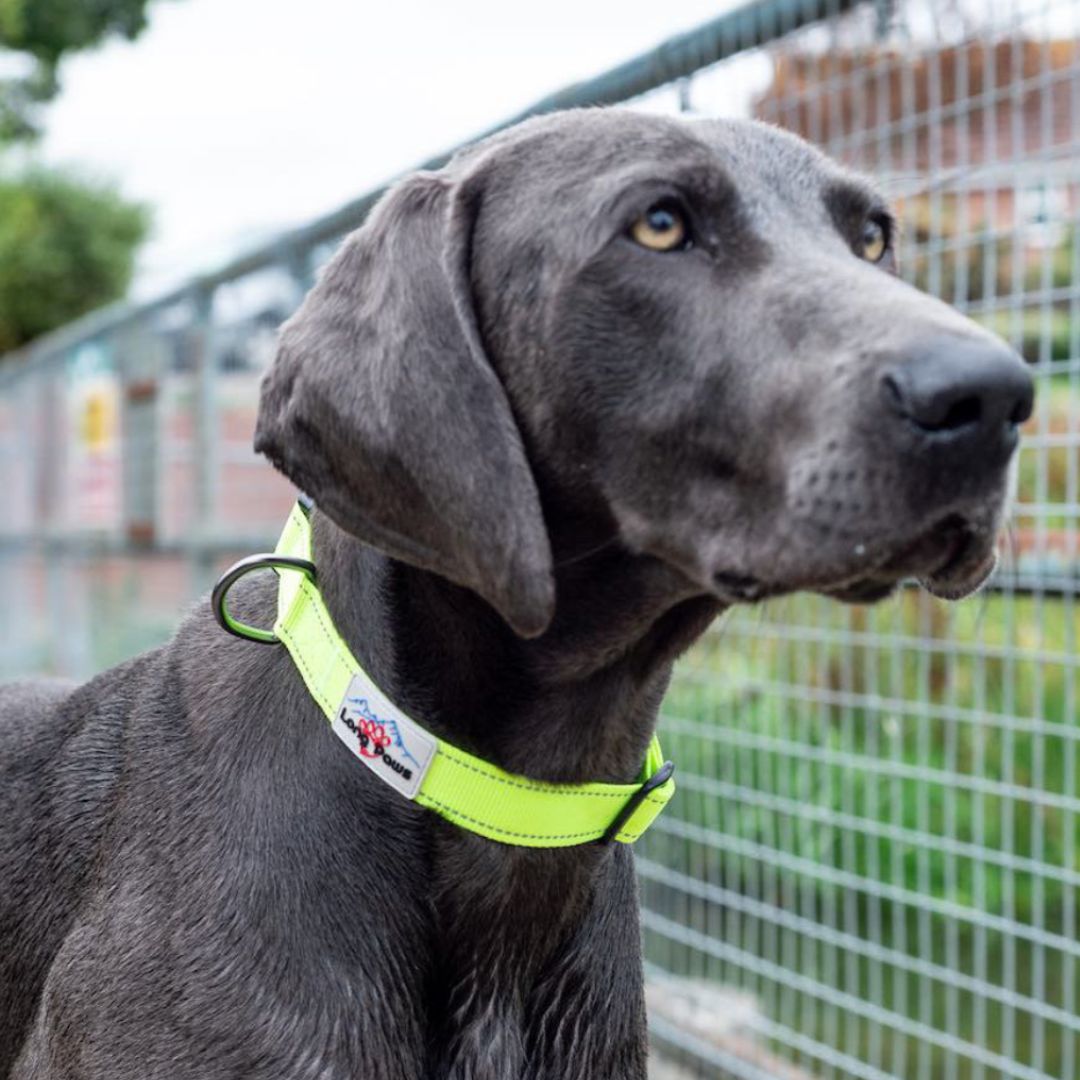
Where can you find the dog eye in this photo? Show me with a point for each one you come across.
(662, 227)
(874, 241)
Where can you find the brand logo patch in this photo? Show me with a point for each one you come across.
(394, 747)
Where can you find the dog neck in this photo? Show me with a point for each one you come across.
(518, 932)
(577, 704)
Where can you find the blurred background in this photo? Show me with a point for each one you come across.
(871, 866)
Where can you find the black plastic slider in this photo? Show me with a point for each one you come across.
(658, 779)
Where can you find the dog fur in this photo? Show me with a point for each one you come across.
(544, 458)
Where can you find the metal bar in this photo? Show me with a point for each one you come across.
(676, 58)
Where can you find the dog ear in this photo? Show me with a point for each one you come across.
(383, 407)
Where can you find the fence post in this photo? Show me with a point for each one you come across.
(140, 366)
(298, 263)
(206, 435)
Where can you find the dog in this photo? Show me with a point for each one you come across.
(558, 404)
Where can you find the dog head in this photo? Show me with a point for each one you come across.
(689, 334)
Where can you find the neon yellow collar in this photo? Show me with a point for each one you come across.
(464, 789)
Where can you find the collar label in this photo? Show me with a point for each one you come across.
(391, 745)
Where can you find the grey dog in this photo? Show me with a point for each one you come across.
(558, 404)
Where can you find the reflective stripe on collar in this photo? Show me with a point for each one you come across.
(464, 789)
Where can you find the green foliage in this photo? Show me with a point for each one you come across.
(1049, 473)
(1039, 333)
(44, 30)
(974, 265)
(821, 745)
(66, 246)
(875, 712)
(49, 28)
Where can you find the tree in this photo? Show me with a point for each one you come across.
(43, 31)
(66, 244)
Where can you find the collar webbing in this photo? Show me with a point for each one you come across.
(464, 789)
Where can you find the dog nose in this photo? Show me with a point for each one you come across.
(961, 392)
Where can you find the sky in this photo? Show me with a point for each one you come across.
(234, 119)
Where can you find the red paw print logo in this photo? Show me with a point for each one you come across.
(377, 739)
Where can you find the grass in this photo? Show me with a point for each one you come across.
(878, 772)
(1038, 335)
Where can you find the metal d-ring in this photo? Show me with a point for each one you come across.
(234, 574)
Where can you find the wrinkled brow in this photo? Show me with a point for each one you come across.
(694, 179)
(850, 203)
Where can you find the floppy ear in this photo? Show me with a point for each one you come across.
(383, 407)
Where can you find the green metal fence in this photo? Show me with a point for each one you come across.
(870, 869)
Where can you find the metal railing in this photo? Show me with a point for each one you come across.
(870, 869)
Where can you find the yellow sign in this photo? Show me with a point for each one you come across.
(97, 424)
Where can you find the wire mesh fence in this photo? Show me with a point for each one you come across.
(870, 868)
